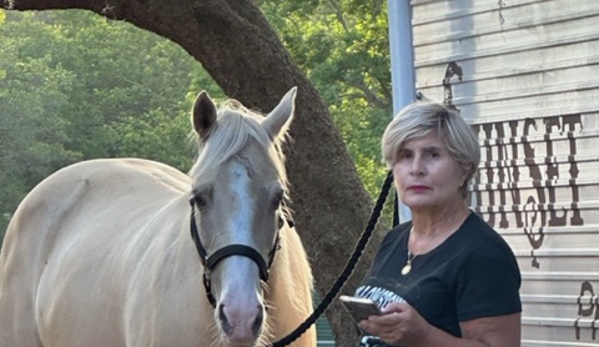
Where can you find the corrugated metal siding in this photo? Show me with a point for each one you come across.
(324, 332)
(526, 74)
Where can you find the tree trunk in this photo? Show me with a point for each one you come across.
(236, 45)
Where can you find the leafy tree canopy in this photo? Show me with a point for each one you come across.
(343, 47)
(84, 87)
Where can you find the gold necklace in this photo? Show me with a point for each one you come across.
(408, 267)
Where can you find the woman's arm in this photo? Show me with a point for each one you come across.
(500, 331)
(403, 325)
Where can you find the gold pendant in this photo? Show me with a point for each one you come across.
(406, 269)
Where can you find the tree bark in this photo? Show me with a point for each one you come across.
(235, 44)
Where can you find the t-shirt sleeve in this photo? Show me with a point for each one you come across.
(488, 284)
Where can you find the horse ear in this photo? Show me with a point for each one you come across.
(279, 118)
(203, 114)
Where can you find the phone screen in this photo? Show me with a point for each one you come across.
(359, 308)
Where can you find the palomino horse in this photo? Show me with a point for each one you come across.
(100, 254)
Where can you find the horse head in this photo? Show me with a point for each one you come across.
(238, 186)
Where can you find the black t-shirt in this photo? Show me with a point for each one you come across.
(470, 275)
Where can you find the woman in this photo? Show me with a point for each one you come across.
(445, 278)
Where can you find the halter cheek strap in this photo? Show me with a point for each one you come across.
(210, 261)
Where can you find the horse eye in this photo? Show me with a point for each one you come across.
(277, 199)
(199, 201)
(281, 222)
(202, 197)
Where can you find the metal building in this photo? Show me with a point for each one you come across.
(525, 73)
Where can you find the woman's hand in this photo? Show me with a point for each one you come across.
(399, 324)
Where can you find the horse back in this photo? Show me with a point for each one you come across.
(84, 193)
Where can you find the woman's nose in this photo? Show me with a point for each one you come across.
(417, 168)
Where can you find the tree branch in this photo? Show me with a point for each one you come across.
(339, 14)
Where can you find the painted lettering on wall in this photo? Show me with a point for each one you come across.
(524, 164)
(453, 69)
(588, 308)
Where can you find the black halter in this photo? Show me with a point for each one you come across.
(210, 261)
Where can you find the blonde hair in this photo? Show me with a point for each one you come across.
(419, 119)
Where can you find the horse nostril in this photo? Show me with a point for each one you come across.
(224, 322)
(257, 326)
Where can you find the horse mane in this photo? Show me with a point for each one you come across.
(235, 127)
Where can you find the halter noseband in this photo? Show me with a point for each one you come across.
(210, 261)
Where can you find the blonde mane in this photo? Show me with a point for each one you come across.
(234, 128)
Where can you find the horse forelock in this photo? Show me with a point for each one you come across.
(235, 127)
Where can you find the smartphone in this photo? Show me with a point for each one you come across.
(359, 308)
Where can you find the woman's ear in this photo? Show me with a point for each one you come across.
(466, 173)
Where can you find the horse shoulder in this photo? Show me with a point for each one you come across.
(290, 293)
(28, 243)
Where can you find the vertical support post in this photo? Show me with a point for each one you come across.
(402, 64)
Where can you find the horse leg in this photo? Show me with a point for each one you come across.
(20, 268)
(18, 325)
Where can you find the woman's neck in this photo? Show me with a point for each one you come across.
(439, 220)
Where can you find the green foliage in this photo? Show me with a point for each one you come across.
(74, 86)
(343, 47)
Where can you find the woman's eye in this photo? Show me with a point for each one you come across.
(281, 222)
(404, 155)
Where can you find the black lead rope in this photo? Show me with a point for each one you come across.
(396, 211)
(347, 271)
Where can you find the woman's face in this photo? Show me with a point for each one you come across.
(426, 176)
